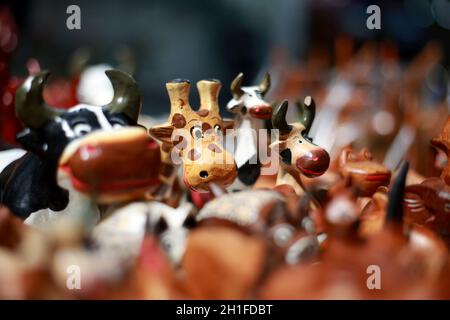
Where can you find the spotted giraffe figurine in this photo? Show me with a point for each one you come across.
(299, 155)
(193, 139)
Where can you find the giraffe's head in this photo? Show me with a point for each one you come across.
(297, 151)
(195, 137)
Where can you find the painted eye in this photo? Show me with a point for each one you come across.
(196, 132)
(117, 126)
(82, 129)
(300, 141)
(217, 129)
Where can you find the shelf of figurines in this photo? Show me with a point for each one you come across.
(280, 201)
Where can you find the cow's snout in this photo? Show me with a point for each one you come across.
(261, 111)
(113, 165)
(314, 163)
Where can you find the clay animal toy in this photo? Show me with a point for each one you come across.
(361, 172)
(193, 139)
(124, 229)
(412, 264)
(77, 155)
(299, 155)
(428, 203)
(264, 213)
(442, 142)
(251, 111)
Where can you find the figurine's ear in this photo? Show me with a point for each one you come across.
(162, 132)
(344, 156)
(228, 124)
(29, 139)
(365, 154)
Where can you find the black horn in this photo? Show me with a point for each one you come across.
(279, 118)
(236, 86)
(127, 98)
(395, 196)
(307, 112)
(264, 86)
(30, 106)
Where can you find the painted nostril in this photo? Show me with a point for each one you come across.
(203, 174)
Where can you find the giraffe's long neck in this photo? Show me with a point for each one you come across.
(169, 189)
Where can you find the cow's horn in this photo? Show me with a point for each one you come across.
(236, 86)
(127, 98)
(279, 118)
(307, 112)
(264, 86)
(30, 105)
(395, 196)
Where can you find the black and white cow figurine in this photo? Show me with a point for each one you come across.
(251, 111)
(68, 151)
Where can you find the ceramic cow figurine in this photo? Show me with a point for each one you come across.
(193, 138)
(251, 111)
(299, 155)
(78, 157)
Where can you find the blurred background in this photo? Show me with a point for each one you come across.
(198, 39)
(386, 89)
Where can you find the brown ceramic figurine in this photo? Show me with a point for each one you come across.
(428, 203)
(299, 155)
(362, 172)
(193, 137)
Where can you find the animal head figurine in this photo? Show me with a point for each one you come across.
(362, 172)
(443, 143)
(297, 151)
(195, 137)
(250, 100)
(94, 147)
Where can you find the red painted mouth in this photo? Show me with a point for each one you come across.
(109, 187)
(261, 112)
(308, 172)
(378, 177)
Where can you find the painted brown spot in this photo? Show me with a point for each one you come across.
(180, 143)
(206, 126)
(178, 120)
(203, 112)
(165, 147)
(193, 154)
(214, 148)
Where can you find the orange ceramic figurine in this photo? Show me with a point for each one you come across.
(193, 138)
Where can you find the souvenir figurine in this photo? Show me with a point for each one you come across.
(193, 138)
(299, 155)
(264, 213)
(78, 156)
(251, 111)
(124, 229)
(362, 172)
(442, 142)
(411, 274)
(428, 203)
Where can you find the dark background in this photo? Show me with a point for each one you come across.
(198, 39)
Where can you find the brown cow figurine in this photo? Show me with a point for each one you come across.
(299, 155)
